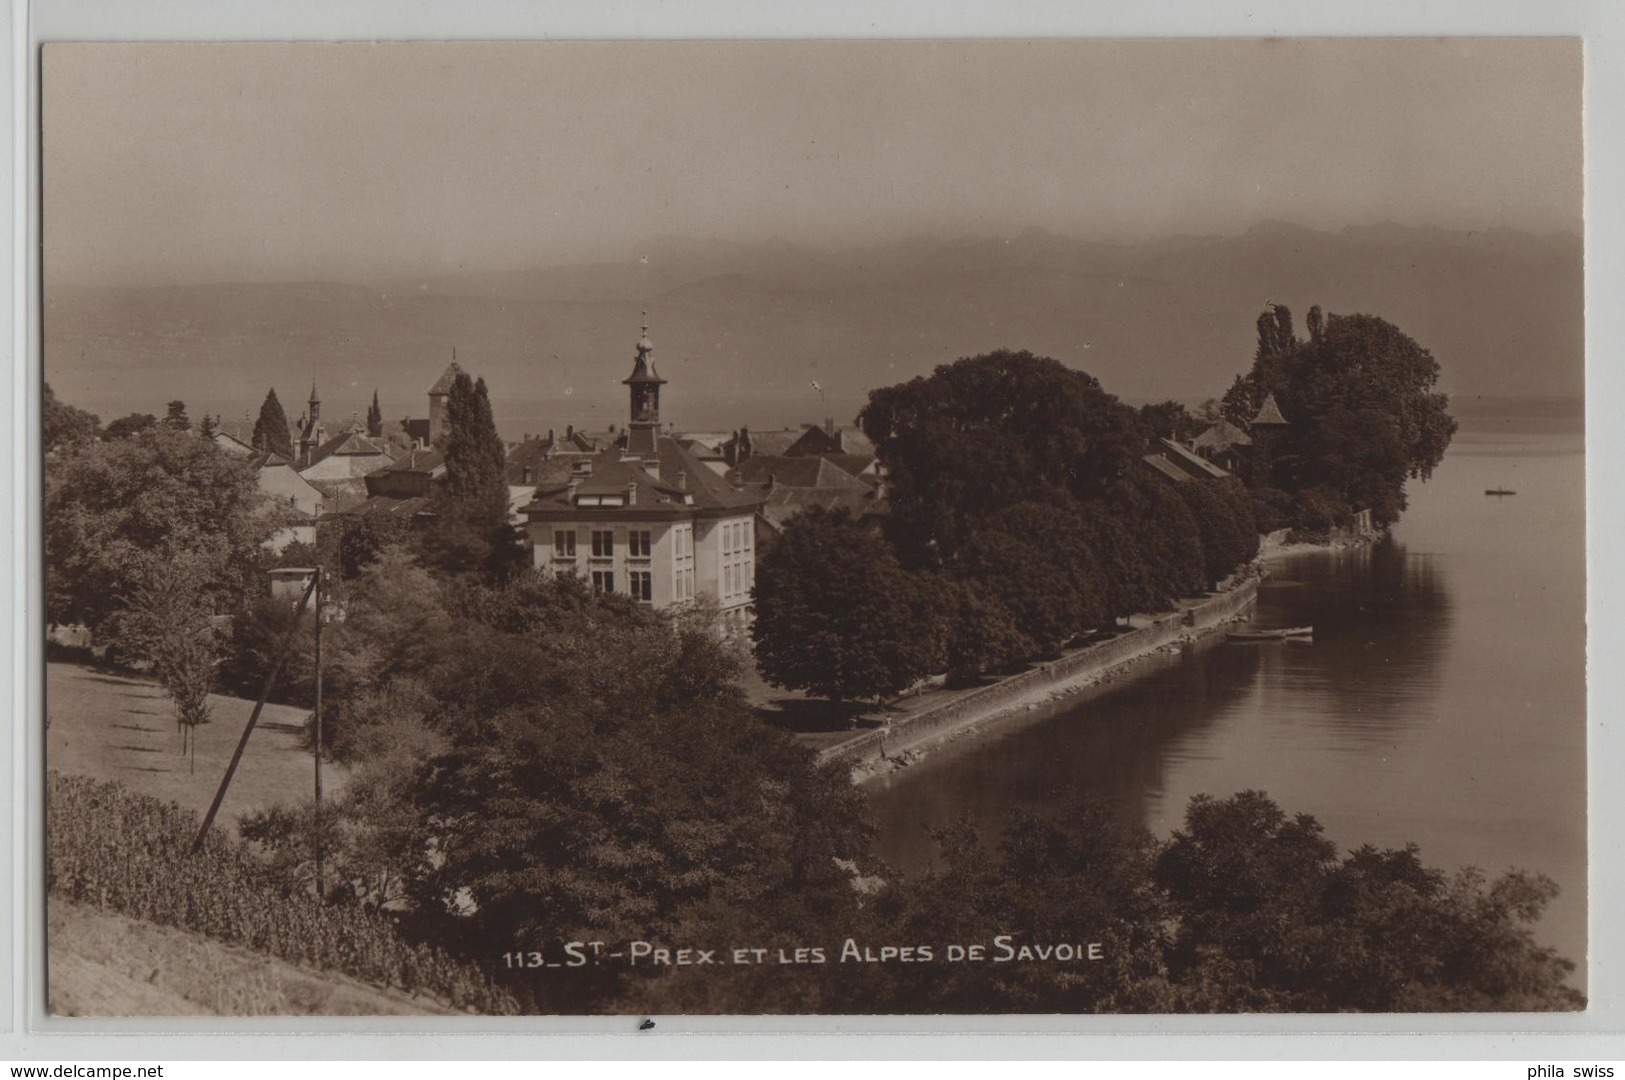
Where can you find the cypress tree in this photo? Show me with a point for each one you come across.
(475, 455)
(375, 418)
(271, 432)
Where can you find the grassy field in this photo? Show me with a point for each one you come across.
(115, 727)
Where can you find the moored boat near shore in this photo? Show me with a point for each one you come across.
(1271, 635)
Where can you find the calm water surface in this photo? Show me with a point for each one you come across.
(1442, 700)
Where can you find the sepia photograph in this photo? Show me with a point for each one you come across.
(832, 528)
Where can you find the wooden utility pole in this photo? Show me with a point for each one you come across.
(254, 717)
(317, 753)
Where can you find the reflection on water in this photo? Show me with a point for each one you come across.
(1441, 701)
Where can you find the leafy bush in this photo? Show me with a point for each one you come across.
(132, 854)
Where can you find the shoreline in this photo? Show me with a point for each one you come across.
(882, 751)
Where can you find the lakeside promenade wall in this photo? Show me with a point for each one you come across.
(1005, 696)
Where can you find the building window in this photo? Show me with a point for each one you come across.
(603, 545)
(564, 543)
(603, 581)
(643, 586)
(638, 545)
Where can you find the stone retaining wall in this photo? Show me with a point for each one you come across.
(1005, 694)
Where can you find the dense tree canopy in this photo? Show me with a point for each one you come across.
(1245, 909)
(1027, 557)
(126, 426)
(988, 432)
(1225, 521)
(1272, 920)
(65, 425)
(1363, 415)
(591, 771)
(838, 616)
(114, 509)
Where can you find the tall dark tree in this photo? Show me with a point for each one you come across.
(470, 532)
(176, 416)
(1240, 403)
(65, 425)
(1166, 534)
(1030, 558)
(988, 432)
(838, 616)
(1317, 324)
(1229, 534)
(271, 432)
(375, 418)
(475, 454)
(982, 635)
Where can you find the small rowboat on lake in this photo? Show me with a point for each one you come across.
(1272, 635)
(1498, 491)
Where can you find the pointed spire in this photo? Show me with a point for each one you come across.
(645, 346)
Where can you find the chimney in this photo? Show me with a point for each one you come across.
(771, 481)
(631, 493)
(682, 479)
(829, 425)
(569, 431)
(527, 475)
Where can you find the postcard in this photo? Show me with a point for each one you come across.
(837, 528)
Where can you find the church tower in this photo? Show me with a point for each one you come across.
(311, 431)
(644, 428)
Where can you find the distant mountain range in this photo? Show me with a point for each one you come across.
(743, 331)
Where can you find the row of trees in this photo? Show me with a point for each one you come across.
(1021, 516)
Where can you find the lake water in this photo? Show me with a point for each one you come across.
(1442, 700)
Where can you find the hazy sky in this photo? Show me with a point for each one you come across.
(167, 163)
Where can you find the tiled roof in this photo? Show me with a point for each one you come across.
(442, 385)
(854, 441)
(356, 444)
(773, 443)
(1193, 463)
(683, 481)
(1269, 413)
(855, 464)
(1221, 436)
(785, 503)
(1167, 468)
(340, 495)
(415, 461)
(382, 504)
(798, 472)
